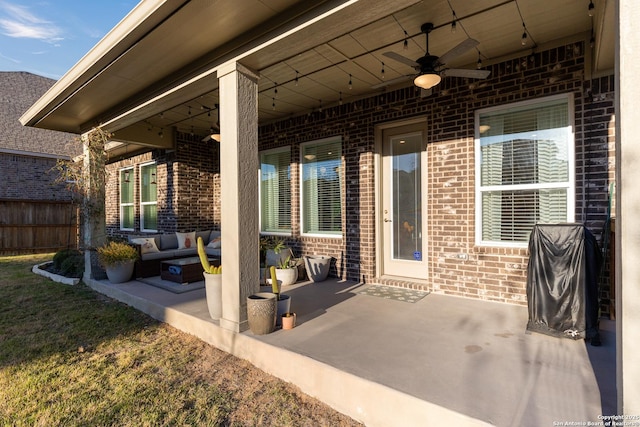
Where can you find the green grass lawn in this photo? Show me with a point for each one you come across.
(70, 356)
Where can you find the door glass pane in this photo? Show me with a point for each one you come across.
(406, 197)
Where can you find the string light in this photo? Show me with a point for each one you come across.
(382, 71)
(273, 104)
(275, 90)
(591, 7)
(453, 23)
(405, 45)
(340, 101)
(296, 78)
(524, 35)
(320, 100)
(350, 82)
(479, 64)
(592, 41)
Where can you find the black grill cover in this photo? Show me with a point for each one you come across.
(562, 281)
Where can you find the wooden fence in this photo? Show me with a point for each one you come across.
(37, 226)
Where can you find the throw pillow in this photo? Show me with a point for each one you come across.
(215, 243)
(186, 240)
(147, 245)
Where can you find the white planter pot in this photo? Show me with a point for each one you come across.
(285, 276)
(120, 273)
(317, 267)
(213, 288)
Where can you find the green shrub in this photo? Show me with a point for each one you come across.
(62, 255)
(115, 253)
(73, 266)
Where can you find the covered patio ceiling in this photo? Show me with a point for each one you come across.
(156, 70)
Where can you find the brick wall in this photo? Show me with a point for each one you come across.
(29, 177)
(186, 179)
(456, 265)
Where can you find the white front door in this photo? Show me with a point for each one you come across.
(403, 201)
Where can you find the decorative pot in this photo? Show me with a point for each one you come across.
(261, 312)
(273, 258)
(285, 276)
(121, 272)
(213, 288)
(284, 306)
(288, 320)
(317, 267)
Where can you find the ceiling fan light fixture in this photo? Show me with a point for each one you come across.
(427, 80)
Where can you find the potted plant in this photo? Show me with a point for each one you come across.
(118, 259)
(212, 282)
(286, 271)
(317, 267)
(283, 301)
(272, 249)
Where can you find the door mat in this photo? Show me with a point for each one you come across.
(176, 288)
(394, 293)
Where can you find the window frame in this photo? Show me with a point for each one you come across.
(142, 203)
(569, 185)
(131, 204)
(284, 233)
(329, 235)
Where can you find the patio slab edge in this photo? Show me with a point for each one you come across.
(368, 402)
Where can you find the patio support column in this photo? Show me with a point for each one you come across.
(93, 205)
(239, 192)
(627, 208)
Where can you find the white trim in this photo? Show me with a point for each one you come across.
(133, 203)
(571, 183)
(142, 204)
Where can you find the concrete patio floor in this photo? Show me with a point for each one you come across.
(440, 361)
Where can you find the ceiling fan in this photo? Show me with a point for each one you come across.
(431, 69)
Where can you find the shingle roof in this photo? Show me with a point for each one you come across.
(18, 91)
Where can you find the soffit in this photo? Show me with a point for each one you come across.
(324, 56)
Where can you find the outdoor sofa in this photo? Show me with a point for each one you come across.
(155, 248)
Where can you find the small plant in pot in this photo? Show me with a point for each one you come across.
(118, 259)
(272, 249)
(284, 301)
(286, 271)
(212, 282)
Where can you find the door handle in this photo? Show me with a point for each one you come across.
(387, 220)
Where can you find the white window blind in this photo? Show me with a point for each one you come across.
(148, 197)
(127, 214)
(275, 191)
(526, 169)
(321, 187)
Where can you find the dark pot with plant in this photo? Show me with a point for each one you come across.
(118, 259)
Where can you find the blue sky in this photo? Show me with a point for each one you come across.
(47, 37)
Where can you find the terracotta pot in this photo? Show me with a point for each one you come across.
(261, 312)
(213, 287)
(288, 321)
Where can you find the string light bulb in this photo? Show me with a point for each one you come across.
(453, 23)
(340, 101)
(479, 63)
(350, 82)
(524, 35)
(382, 71)
(405, 44)
(296, 78)
(591, 8)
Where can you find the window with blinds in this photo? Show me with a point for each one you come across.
(321, 175)
(148, 197)
(126, 199)
(275, 191)
(525, 169)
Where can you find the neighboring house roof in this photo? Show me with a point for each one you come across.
(18, 91)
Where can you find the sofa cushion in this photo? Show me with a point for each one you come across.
(168, 241)
(183, 253)
(204, 234)
(214, 235)
(156, 237)
(186, 240)
(156, 255)
(215, 252)
(147, 244)
(215, 243)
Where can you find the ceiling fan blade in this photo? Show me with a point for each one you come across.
(393, 81)
(463, 72)
(400, 58)
(458, 50)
